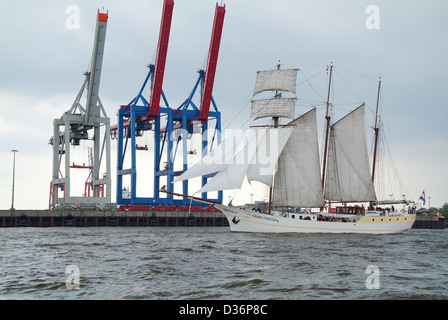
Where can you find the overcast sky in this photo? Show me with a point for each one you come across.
(43, 57)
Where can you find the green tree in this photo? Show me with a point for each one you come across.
(444, 210)
(433, 210)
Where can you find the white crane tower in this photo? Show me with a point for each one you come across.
(76, 123)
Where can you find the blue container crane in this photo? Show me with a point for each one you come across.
(142, 115)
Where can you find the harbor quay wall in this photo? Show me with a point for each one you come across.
(429, 222)
(109, 218)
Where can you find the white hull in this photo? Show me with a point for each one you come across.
(250, 221)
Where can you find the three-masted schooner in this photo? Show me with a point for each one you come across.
(286, 159)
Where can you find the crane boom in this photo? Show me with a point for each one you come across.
(92, 107)
(212, 62)
(162, 49)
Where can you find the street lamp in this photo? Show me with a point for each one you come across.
(13, 176)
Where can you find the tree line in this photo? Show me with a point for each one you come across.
(443, 210)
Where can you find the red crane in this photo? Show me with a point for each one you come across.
(212, 62)
(162, 49)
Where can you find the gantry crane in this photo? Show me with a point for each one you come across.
(76, 123)
(142, 115)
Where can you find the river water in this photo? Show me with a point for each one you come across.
(215, 264)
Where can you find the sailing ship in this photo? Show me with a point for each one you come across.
(285, 157)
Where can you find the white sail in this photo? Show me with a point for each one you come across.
(281, 107)
(263, 168)
(276, 80)
(232, 175)
(298, 180)
(257, 160)
(221, 155)
(348, 176)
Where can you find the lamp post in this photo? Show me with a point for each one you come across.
(13, 176)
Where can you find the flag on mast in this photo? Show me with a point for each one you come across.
(423, 197)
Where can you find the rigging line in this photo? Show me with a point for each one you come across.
(204, 62)
(389, 170)
(309, 83)
(325, 66)
(310, 101)
(386, 148)
(153, 59)
(320, 107)
(351, 89)
(89, 65)
(288, 66)
(243, 107)
(300, 68)
(348, 105)
(309, 78)
(311, 104)
(358, 74)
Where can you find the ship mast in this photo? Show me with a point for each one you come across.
(275, 119)
(327, 129)
(376, 129)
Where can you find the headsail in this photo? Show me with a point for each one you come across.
(348, 176)
(263, 168)
(298, 181)
(220, 156)
(231, 176)
(257, 160)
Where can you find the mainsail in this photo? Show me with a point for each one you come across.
(298, 181)
(348, 177)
